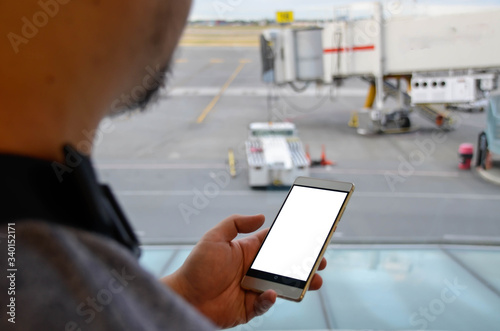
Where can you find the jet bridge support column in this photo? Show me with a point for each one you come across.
(372, 94)
(379, 69)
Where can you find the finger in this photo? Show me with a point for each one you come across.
(264, 302)
(229, 228)
(316, 283)
(322, 264)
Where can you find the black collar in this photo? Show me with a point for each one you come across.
(67, 194)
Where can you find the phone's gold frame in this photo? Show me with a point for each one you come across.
(293, 293)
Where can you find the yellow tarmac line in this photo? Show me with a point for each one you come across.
(212, 104)
(232, 163)
(216, 60)
(249, 45)
(181, 61)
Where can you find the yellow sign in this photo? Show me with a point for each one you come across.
(284, 17)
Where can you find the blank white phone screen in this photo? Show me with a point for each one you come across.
(299, 232)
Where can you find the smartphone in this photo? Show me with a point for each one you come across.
(294, 246)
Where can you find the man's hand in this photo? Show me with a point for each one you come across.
(211, 276)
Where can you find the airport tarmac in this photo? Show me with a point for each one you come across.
(168, 165)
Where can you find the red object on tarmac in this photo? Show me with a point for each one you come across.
(324, 160)
(308, 155)
(466, 152)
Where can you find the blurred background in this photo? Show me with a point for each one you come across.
(398, 97)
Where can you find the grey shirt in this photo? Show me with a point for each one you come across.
(70, 280)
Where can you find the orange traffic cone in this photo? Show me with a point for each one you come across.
(308, 155)
(324, 160)
(440, 120)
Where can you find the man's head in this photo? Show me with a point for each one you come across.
(65, 64)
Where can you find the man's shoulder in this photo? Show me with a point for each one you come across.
(57, 242)
(77, 280)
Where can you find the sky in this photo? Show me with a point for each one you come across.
(323, 9)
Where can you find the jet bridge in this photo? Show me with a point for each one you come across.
(449, 60)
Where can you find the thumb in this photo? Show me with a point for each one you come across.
(229, 228)
(264, 302)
